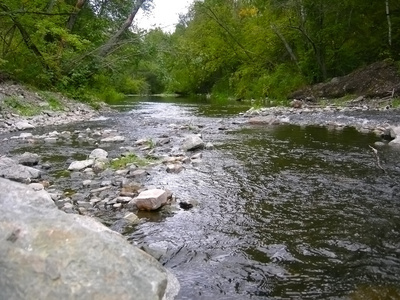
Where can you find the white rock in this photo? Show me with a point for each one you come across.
(113, 139)
(98, 154)
(22, 125)
(151, 199)
(80, 165)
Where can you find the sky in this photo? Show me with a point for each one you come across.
(165, 14)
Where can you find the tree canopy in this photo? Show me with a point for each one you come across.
(237, 48)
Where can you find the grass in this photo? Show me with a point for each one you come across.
(53, 102)
(122, 162)
(396, 102)
(23, 109)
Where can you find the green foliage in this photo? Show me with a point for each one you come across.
(51, 99)
(24, 109)
(131, 159)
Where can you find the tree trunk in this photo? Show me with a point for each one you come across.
(110, 44)
(74, 16)
(25, 37)
(389, 23)
(287, 46)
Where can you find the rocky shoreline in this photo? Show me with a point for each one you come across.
(41, 109)
(333, 118)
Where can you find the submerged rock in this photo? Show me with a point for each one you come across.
(65, 256)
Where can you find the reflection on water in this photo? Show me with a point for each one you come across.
(284, 212)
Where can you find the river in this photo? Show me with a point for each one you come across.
(284, 212)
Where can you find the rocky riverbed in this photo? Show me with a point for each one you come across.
(104, 173)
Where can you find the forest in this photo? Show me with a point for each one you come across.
(229, 49)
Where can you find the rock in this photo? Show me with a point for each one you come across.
(157, 249)
(396, 133)
(10, 169)
(151, 199)
(28, 159)
(192, 142)
(98, 154)
(209, 146)
(23, 125)
(296, 103)
(264, 120)
(25, 135)
(36, 186)
(80, 164)
(197, 156)
(132, 218)
(65, 256)
(113, 139)
(138, 174)
(388, 134)
(99, 166)
(174, 168)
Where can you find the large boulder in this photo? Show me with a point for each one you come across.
(10, 169)
(48, 254)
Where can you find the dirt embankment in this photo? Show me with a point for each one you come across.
(376, 81)
(22, 108)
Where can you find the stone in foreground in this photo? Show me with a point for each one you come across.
(151, 199)
(48, 254)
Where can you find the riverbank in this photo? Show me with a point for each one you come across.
(22, 108)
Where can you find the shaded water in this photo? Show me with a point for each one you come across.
(284, 212)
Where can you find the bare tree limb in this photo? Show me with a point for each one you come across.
(378, 162)
(112, 41)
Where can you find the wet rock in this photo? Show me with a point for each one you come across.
(264, 120)
(174, 168)
(99, 166)
(296, 103)
(157, 249)
(113, 139)
(28, 159)
(388, 134)
(132, 218)
(197, 156)
(23, 125)
(80, 165)
(10, 169)
(61, 255)
(25, 135)
(396, 140)
(151, 199)
(98, 154)
(192, 142)
(209, 146)
(138, 174)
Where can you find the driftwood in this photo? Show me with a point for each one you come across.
(378, 161)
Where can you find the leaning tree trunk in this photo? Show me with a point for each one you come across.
(74, 16)
(25, 36)
(110, 44)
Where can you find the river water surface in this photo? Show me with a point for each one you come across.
(285, 212)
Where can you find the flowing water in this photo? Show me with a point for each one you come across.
(285, 212)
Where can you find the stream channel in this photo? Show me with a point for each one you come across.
(284, 212)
